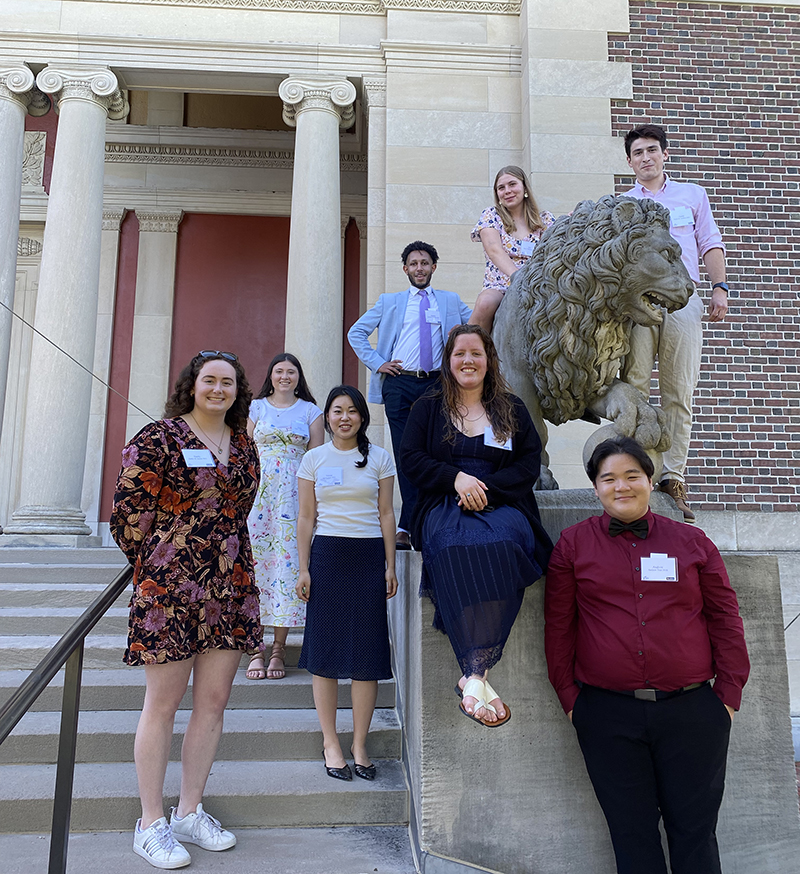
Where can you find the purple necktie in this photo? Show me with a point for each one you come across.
(425, 351)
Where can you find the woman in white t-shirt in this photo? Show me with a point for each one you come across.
(347, 573)
(284, 421)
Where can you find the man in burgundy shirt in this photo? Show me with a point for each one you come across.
(639, 617)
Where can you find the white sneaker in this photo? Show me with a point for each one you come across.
(158, 846)
(201, 829)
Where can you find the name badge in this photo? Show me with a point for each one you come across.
(526, 248)
(198, 457)
(659, 568)
(432, 318)
(300, 428)
(490, 440)
(329, 476)
(681, 216)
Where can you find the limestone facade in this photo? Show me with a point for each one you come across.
(395, 112)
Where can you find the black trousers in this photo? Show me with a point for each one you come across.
(653, 760)
(399, 393)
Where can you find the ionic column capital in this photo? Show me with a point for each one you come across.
(17, 84)
(164, 221)
(97, 85)
(325, 93)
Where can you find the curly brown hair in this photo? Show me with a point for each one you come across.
(496, 397)
(181, 401)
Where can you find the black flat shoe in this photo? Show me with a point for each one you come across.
(339, 773)
(366, 772)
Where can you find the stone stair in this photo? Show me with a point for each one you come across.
(268, 772)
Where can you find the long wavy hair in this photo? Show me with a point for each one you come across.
(529, 206)
(496, 396)
(363, 410)
(302, 391)
(181, 401)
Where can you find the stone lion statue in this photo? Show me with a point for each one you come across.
(564, 325)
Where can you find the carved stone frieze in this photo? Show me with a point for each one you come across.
(98, 85)
(323, 93)
(374, 94)
(17, 83)
(33, 159)
(351, 7)
(112, 218)
(164, 221)
(27, 247)
(270, 159)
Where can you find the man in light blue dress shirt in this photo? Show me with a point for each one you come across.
(412, 329)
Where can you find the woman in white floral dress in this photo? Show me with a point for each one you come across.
(285, 422)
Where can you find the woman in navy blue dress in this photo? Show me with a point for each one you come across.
(473, 452)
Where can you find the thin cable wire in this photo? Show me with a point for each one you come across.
(82, 366)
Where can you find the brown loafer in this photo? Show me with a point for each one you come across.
(677, 491)
(402, 540)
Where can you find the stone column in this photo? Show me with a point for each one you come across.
(152, 320)
(17, 96)
(59, 394)
(318, 106)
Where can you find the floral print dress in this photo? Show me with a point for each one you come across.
(494, 276)
(184, 529)
(281, 435)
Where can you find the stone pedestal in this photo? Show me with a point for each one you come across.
(318, 106)
(18, 96)
(517, 799)
(57, 415)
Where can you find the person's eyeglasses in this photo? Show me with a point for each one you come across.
(210, 353)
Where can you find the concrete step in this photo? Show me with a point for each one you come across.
(57, 620)
(123, 689)
(107, 555)
(58, 573)
(240, 794)
(249, 735)
(100, 651)
(348, 850)
(55, 594)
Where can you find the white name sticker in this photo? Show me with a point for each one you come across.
(198, 457)
(300, 428)
(329, 476)
(490, 440)
(526, 248)
(432, 318)
(681, 216)
(659, 568)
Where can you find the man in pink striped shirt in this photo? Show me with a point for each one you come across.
(677, 342)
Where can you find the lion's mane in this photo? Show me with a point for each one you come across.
(567, 291)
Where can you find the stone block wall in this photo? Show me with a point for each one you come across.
(723, 79)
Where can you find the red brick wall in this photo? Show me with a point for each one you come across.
(723, 80)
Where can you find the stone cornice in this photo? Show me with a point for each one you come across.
(112, 218)
(453, 57)
(163, 221)
(303, 93)
(347, 7)
(17, 84)
(96, 85)
(269, 159)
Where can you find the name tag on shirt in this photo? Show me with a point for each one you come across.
(526, 248)
(300, 428)
(329, 476)
(490, 440)
(681, 216)
(198, 457)
(659, 568)
(432, 318)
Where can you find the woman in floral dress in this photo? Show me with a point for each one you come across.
(285, 422)
(508, 230)
(180, 515)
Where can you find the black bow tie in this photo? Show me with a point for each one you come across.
(639, 527)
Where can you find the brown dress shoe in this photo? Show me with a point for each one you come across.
(677, 491)
(402, 540)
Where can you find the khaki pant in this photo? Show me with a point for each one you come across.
(677, 344)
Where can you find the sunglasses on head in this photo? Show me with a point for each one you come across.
(211, 353)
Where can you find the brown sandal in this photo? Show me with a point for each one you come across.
(256, 673)
(278, 654)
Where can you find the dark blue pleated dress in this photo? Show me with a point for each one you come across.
(476, 566)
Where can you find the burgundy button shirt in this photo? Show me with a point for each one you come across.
(607, 628)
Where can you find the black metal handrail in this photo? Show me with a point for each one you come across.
(68, 651)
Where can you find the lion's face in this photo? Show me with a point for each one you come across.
(653, 280)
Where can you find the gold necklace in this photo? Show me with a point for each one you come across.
(222, 440)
